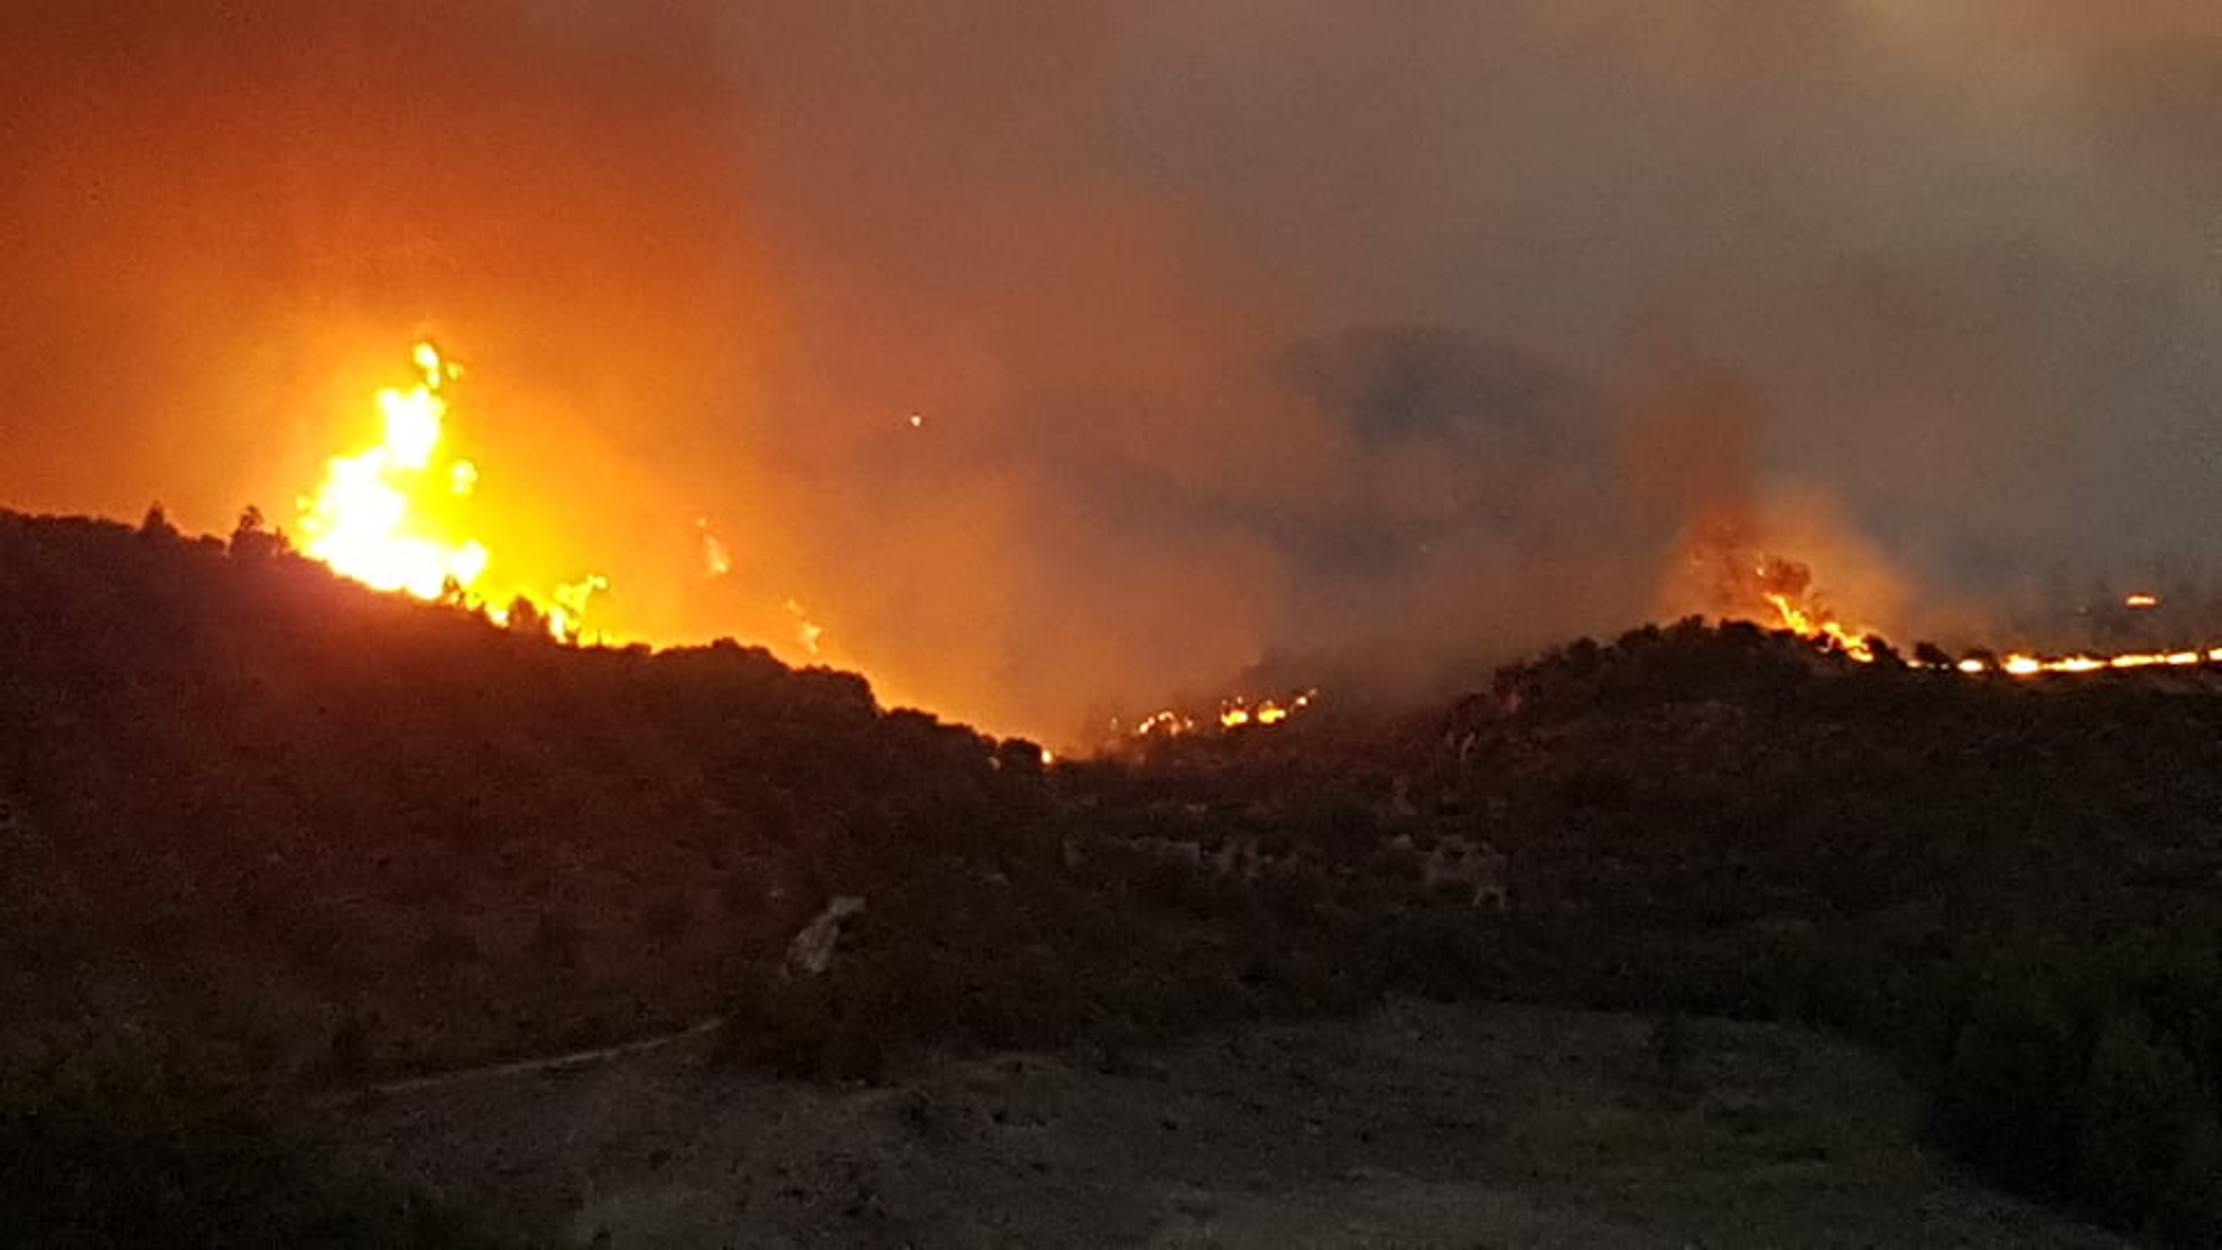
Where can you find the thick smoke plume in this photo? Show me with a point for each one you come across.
(1055, 358)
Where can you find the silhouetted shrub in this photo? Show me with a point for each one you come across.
(2150, 1140)
(779, 1024)
(2062, 1081)
(251, 541)
(156, 524)
(124, 1148)
(525, 619)
(2014, 1082)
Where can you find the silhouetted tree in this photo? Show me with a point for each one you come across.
(251, 540)
(156, 523)
(525, 618)
(1886, 656)
(1017, 757)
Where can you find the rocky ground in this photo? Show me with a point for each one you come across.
(1422, 1125)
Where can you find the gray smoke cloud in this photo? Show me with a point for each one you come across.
(1314, 333)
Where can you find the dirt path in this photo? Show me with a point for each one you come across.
(539, 1065)
(1423, 1125)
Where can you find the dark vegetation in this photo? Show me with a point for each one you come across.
(334, 836)
(137, 1146)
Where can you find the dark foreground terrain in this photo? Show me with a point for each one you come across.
(267, 838)
(1419, 1125)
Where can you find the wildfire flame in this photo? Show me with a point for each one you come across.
(1781, 583)
(360, 520)
(2024, 665)
(1238, 711)
(1234, 712)
(388, 515)
(717, 561)
(807, 631)
(564, 619)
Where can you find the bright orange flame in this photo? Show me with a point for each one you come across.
(1167, 723)
(2025, 665)
(383, 515)
(565, 618)
(807, 631)
(1240, 711)
(359, 521)
(1234, 713)
(1781, 585)
(1818, 625)
(716, 560)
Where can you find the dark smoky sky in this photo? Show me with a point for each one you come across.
(1336, 336)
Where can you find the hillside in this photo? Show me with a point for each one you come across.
(339, 828)
(317, 836)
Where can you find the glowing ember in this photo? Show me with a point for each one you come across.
(386, 516)
(1234, 713)
(716, 560)
(1167, 724)
(1238, 711)
(2140, 600)
(807, 631)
